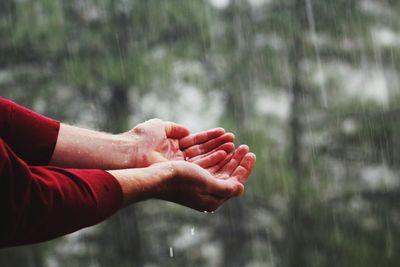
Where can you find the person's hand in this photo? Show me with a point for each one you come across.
(159, 141)
(188, 183)
(194, 187)
(210, 181)
(234, 167)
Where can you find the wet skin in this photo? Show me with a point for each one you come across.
(162, 141)
(159, 159)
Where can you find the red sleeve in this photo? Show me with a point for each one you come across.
(41, 203)
(30, 135)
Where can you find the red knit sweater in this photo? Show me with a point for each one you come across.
(39, 202)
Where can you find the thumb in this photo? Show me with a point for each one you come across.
(226, 188)
(175, 131)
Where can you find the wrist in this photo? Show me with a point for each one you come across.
(143, 183)
(133, 150)
(127, 146)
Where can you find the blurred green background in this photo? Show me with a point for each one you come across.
(311, 85)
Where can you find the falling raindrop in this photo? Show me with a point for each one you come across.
(171, 252)
(311, 22)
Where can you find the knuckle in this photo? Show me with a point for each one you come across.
(138, 129)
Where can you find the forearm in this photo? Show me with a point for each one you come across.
(41, 203)
(82, 148)
(142, 183)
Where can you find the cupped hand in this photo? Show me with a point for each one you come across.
(192, 186)
(209, 182)
(159, 141)
(201, 188)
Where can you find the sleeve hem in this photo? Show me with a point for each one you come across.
(105, 189)
(30, 135)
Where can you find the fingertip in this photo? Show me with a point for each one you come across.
(249, 161)
(253, 156)
(216, 132)
(222, 153)
(200, 138)
(244, 147)
(220, 129)
(218, 156)
(186, 130)
(239, 189)
(212, 159)
(228, 147)
(181, 130)
(174, 130)
(230, 137)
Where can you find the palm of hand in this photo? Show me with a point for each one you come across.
(236, 166)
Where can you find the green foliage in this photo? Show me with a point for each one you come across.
(40, 24)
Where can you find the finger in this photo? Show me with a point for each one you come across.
(227, 147)
(216, 168)
(225, 188)
(206, 147)
(245, 167)
(239, 189)
(175, 131)
(237, 157)
(200, 138)
(212, 159)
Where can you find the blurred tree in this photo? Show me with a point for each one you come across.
(59, 56)
(282, 44)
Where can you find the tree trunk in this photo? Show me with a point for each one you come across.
(295, 227)
(117, 110)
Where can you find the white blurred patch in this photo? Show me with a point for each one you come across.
(379, 177)
(259, 3)
(277, 104)
(371, 82)
(376, 8)
(349, 126)
(190, 108)
(383, 36)
(220, 3)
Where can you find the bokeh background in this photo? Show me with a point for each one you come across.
(311, 85)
